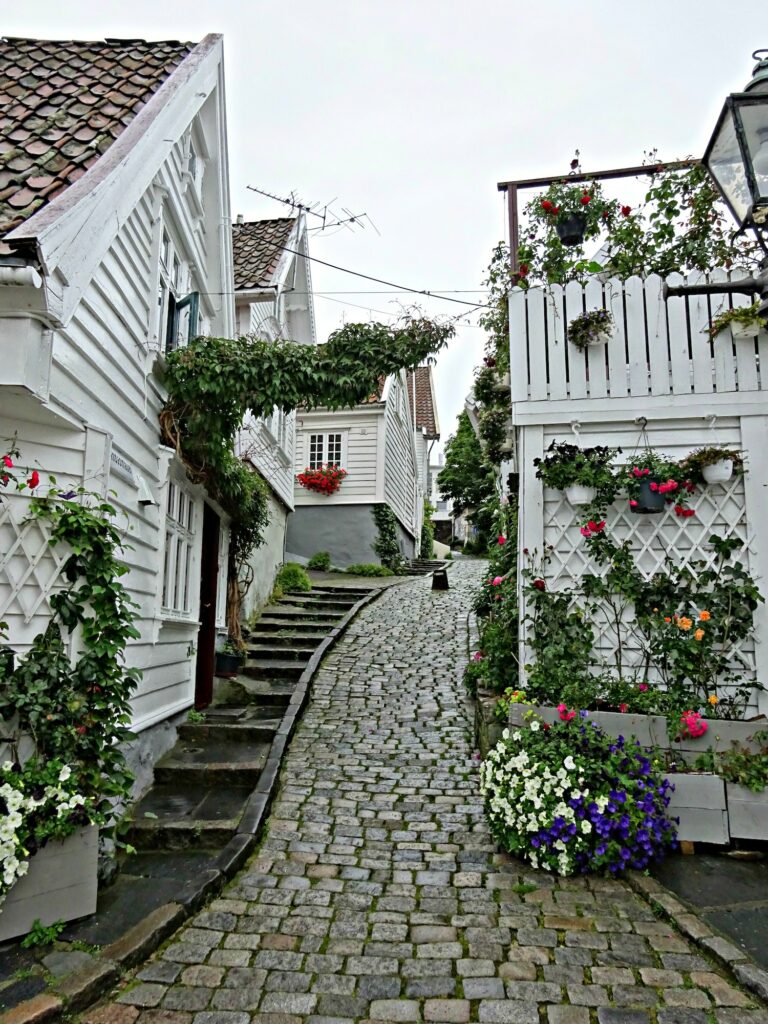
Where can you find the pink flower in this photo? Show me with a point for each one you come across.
(497, 581)
(564, 713)
(502, 539)
(642, 687)
(654, 486)
(623, 708)
(478, 656)
(34, 479)
(637, 472)
(632, 503)
(585, 531)
(693, 724)
(8, 462)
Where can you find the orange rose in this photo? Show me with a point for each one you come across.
(704, 616)
(699, 634)
(667, 618)
(685, 623)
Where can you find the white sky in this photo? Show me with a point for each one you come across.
(412, 110)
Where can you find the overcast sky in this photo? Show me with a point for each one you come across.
(412, 111)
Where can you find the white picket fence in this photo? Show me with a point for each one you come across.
(657, 348)
(660, 371)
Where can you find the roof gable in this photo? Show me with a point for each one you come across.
(257, 248)
(62, 104)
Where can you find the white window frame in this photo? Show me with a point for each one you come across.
(177, 307)
(178, 598)
(339, 444)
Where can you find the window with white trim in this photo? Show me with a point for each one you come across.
(179, 540)
(178, 314)
(325, 449)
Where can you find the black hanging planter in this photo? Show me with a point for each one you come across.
(649, 503)
(570, 230)
(227, 664)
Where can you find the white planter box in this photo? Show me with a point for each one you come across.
(721, 735)
(649, 730)
(698, 801)
(747, 812)
(60, 885)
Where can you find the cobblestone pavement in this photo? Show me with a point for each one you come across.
(378, 895)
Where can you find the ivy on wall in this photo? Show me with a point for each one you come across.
(387, 544)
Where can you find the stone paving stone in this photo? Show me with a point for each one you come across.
(378, 894)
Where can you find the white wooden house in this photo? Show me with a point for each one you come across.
(384, 445)
(115, 248)
(273, 300)
(657, 368)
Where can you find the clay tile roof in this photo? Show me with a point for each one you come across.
(257, 247)
(62, 104)
(426, 415)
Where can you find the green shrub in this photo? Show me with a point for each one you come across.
(321, 561)
(368, 569)
(387, 544)
(292, 576)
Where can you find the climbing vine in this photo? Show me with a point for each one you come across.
(427, 548)
(387, 544)
(214, 382)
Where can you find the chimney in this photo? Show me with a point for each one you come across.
(239, 218)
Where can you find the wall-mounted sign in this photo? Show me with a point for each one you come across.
(121, 467)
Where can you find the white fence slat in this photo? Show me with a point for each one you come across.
(577, 359)
(558, 384)
(617, 353)
(518, 345)
(698, 311)
(746, 352)
(658, 339)
(762, 353)
(596, 354)
(678, 340)
(537, 354)
(638, 356)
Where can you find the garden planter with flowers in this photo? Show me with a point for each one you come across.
(585, 474)
(714, 464)
(653, 481)
(59, 885)
(323, 480)
(591, 328)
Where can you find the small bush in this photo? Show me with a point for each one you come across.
(292, 576)
(368, 569)
(321, 561)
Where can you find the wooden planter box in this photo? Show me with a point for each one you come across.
(747, 812)
(720, 735)
(650, 730)
(699, 802)
(60, 885)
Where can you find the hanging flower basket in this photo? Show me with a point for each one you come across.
(580, 494)
(715, 464)
(650, 500)
(323, 480)
(570, 230)
(591, 328)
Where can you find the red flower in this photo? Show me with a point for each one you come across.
(5, 479)
(34, 479)
(546, 726)
(8, 461)
(586, 198)
(554, 210)
(546, 205)
(623, 708)
(525, 551)
(539, 584)
(81, 730)
(606, 215)
(523, 270)
(574, 163)
(625, 211)
(502, 540)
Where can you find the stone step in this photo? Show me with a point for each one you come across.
(176, 815)
(274, 668)
(288, 627)
(229, 729)
(296, 613)
(288, 638)
(291, 651)
(213, 761)
(334, 604)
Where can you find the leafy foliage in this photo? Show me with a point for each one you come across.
(694, 464)
(293, 577)
(747, 315)
(565, 464)
(321, 561)
(214, 382)
(368, 569)
(387, 543)
(590, 328)
(740, 765)
(467, 479)
(427, 548)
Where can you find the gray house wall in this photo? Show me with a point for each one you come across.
(347, 532)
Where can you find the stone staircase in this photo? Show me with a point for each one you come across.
(423, 566)
(203, 785)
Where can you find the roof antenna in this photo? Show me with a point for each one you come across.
(329, 217)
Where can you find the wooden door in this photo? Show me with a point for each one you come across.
(206, 639)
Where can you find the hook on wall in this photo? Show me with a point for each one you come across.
(712, 420)
(641, 421)
(576, 427)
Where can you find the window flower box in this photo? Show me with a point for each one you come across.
(60, 885)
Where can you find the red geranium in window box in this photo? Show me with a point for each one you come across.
(324, 479)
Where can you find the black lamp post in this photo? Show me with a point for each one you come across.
(737, 159)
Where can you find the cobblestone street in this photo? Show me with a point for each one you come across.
(377, 893)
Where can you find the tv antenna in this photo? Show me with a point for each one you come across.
(323, 212)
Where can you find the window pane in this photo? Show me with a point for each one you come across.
(166, 568)
(334, 449)
(187, 559)
(171, 501)
(178, 572)
(315, 451)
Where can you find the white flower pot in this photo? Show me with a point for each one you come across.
(718, 472)
(742, 332)
(578, 494)
(60, 885)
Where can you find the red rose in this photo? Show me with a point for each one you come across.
(8, 461)
(626, 210)
(81, 730)
(586, 199)
(574, 163)
(522, 271)
(539, 585)
(555, 209)
(546, 205)
(34, 479)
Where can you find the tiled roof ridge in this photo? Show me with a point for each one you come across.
(63, 103)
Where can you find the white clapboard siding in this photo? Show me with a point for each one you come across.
(102, 377)
(399, 465)
(360, 430)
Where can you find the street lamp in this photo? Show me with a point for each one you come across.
(737, 159)
(737, 154)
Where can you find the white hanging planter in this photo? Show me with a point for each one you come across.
(718, 472)
(579, 494)
(743, 332)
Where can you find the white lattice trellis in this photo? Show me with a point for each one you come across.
(29, 567)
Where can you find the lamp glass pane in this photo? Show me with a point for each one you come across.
(727, 167)
(754, 117)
